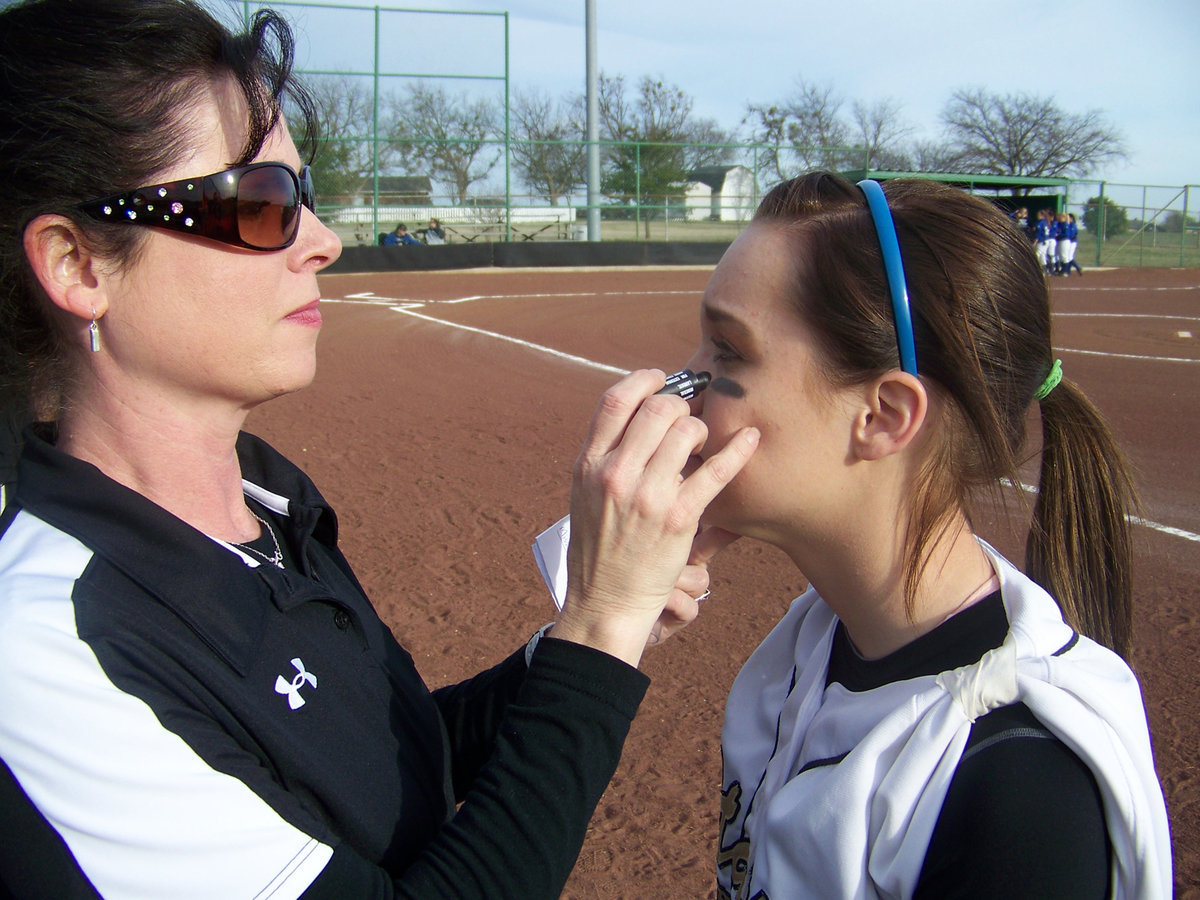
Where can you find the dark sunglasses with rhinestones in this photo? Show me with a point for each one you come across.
(255, 206)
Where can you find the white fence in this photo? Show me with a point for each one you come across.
(467, 223)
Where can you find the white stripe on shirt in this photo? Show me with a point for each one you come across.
(144, 816)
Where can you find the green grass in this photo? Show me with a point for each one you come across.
(1137, 250)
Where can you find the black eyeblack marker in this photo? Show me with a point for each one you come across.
(686, 383)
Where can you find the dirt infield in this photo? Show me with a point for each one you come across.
(444, 433)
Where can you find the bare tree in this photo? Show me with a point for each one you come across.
(933, 156)
(881, 132)
(450, 135)
(1021, 134)
(768, 127)
(709, 144)
(656, 142)
(804, 131)
(659, 111)
(346, 154)
(547, 147)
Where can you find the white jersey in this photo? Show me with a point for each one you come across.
(833, 793)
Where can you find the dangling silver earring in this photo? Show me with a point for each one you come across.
(94, 333)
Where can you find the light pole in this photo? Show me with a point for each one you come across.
(593, 126)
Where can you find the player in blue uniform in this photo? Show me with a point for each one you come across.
(1068, 244)
(1045, 238)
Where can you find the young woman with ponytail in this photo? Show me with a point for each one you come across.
(926, 720)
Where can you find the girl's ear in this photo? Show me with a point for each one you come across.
(893, 410)
(65, 267)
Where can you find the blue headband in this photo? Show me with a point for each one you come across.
(885, 227)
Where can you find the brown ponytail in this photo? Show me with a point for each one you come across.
(1079, 546)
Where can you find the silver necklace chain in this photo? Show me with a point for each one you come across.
(277, 559)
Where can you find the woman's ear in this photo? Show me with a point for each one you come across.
(893, 410)
(65, 266)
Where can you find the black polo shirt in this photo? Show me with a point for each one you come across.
(182, 719)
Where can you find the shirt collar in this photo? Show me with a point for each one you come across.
(213, 590)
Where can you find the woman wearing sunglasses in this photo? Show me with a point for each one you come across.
(197, 698)
(926, 720)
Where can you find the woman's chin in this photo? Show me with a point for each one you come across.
(294, 379)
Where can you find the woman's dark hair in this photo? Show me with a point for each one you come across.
(94, 98)
(981, 314)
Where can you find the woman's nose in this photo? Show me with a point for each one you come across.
(316, 241)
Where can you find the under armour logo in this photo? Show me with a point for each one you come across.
(292, 688)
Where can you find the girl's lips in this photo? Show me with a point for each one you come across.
(307, 315)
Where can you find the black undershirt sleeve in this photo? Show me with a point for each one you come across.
(1023, 818)
(522, 823)
(473, 711)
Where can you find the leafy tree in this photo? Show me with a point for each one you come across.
(446, 134)
(1021, 134)
(655, 142)
(1173, 222)
(548, 149)
(1116, 220)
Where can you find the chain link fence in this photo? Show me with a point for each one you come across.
(1136, 225)
(1120, 224)
(376, 173)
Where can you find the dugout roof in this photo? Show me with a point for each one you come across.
(970, 182)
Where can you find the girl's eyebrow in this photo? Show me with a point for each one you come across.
(720, 316)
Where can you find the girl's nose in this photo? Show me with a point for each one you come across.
(696, 364)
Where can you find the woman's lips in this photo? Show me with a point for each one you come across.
(307, 315)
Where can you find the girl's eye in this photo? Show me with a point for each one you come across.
(723, 351)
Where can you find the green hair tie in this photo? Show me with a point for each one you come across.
(1051, 381)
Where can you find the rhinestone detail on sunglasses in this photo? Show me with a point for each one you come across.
(256, 206)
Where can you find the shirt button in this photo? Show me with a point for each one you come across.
(341, 619)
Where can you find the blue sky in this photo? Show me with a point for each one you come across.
(1135, 61)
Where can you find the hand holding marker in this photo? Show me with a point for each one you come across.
(550, 547)
(686, 383)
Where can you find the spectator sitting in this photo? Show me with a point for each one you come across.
(398, 237)
(434, 234)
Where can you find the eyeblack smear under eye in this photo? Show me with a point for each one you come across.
(727, 386)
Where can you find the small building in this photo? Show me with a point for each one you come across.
(721, 194)
(404, 190)
(394, 190)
